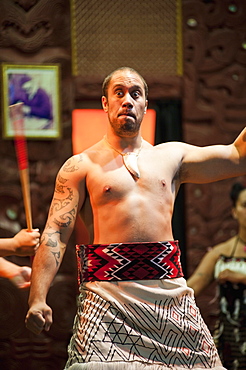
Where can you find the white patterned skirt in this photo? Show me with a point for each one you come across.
(140, 325)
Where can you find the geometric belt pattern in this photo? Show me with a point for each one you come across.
(129, 261)
(168, 332)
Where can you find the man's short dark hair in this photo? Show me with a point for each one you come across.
(107, 80)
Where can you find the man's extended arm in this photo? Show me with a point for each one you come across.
(215, 162)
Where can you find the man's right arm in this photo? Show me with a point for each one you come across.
(67, 200)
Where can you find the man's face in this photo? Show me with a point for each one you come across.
(126, 103)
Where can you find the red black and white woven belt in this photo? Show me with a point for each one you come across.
(129, 261)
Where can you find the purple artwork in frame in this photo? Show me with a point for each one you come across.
(37, 87)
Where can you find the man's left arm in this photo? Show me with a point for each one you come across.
(240, 145)
(214, 162)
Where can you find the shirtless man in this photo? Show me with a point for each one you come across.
(122, 322)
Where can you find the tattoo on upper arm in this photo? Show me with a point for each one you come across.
(59, 189)
(68, 217)
(61, 179)
(63, 197)
(60, 184)
(69, 167)
(58, 204)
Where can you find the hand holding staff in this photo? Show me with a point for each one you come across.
(17, 118)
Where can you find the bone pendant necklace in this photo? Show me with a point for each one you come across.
(130, 159)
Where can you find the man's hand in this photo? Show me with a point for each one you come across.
(26, 242)
(38, 318)
(18, 275)
(21, 276)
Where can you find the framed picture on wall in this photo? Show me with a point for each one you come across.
(37, 88)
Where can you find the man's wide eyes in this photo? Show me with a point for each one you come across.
(134, 94)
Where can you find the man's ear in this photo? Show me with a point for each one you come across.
(105, 104)
(146, 106)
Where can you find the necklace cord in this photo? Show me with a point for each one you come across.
(121, 153)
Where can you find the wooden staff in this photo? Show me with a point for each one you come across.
(17, 118)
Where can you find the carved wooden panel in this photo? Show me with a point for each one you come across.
(36, 32)
(214, 111)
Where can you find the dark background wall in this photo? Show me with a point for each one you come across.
(214, 111)
(36, 32)
(210, 98)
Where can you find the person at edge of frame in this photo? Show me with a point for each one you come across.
(226, 263)
(24, 243)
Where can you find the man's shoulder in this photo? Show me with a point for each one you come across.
(85, 154)
(172, 147)
(169, 144)
(83, 158)
(93, 148)
(74, 163)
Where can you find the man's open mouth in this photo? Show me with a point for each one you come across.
(127, 114)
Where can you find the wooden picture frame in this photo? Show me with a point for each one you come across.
(38, 88)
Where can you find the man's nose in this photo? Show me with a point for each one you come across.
(127, 101)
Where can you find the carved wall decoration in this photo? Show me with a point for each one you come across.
(214, 111)
(29, 26)
(36, 32)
